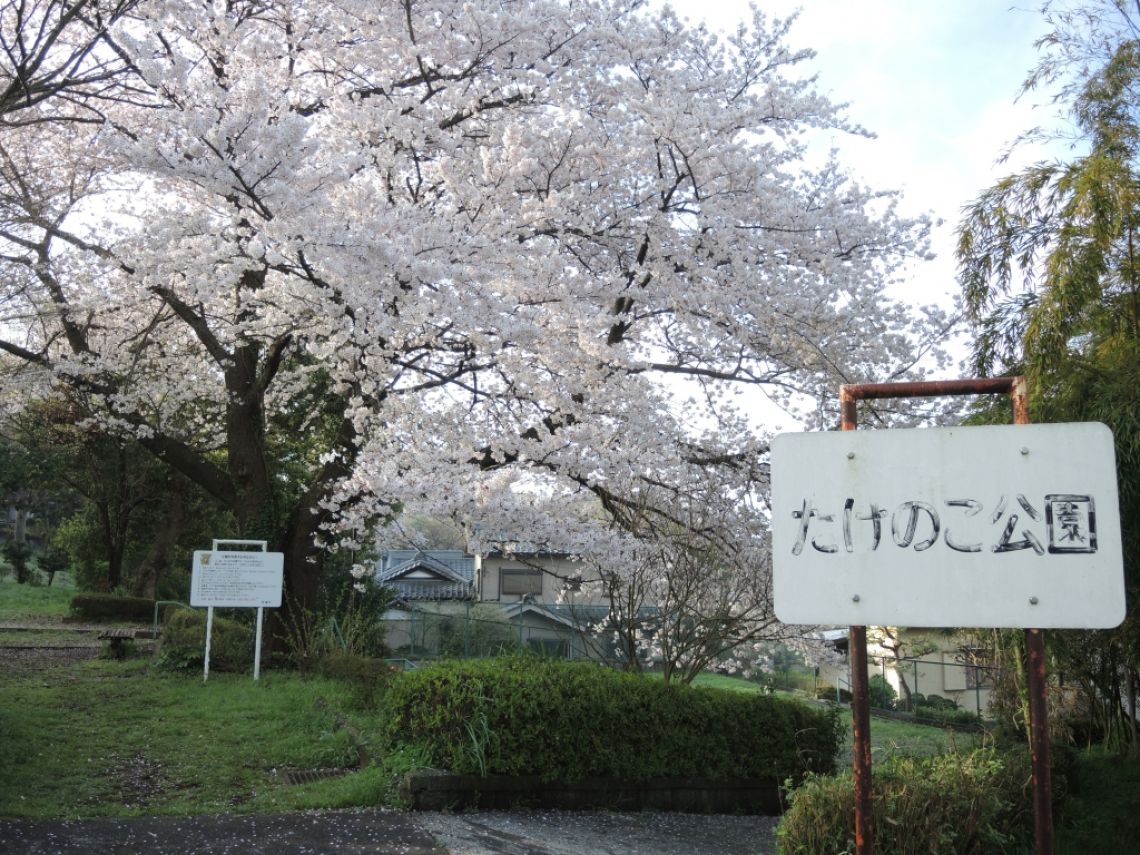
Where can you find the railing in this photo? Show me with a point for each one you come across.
(157, 603)
(840, 684)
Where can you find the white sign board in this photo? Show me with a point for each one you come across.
(237, 579)
(1003, 526)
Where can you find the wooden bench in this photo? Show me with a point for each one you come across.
(117, 638)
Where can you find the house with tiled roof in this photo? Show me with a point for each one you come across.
(430, 575)
(451, 603)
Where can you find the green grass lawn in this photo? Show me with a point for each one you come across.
(103, 738)
(724, 681)
(47, 635)
(889, 736)
(34, 602)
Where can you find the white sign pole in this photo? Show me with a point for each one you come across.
(257, 646)
(209, 631)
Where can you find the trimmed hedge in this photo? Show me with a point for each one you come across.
(565, 721)
(942, 715)
(100, 607)
(183, 643)
(950, 804)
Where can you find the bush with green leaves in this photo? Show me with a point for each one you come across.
(882, 694)
(942, 715)
(183, 643)
(366, 676)
(112, 607)
(938, 702)
(19, 555)
(950, 804)
(571, 720)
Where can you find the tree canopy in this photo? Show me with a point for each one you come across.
(1050, 269)
(325, 260)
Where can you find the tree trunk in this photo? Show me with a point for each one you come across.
(254, 502)
(1132, 712)
(304, 560)
(157, 559)
(114, 545)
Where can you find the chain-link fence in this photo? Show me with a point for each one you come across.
(941, 689)
(476, 631)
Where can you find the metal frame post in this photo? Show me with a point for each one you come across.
(860, 691)
(210, 616)
(1016, 388)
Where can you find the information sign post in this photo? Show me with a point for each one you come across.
(236, 579)
(995, 526)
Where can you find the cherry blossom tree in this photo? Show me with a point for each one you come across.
(59, 61)
(327, 259)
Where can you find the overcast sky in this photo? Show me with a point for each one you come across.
(937, 82)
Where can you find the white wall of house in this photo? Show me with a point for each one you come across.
(941, 671)
(508, 579)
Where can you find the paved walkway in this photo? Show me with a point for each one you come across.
(391, 832)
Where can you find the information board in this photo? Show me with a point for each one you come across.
(996, 526)
(237, 579)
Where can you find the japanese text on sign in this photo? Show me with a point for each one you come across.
(1060, 523)
(237, 579)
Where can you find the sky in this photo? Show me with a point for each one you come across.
(937, 82)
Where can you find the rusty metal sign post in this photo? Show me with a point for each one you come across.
(1015, 387)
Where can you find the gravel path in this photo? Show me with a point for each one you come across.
(600, 833)
(389, 832)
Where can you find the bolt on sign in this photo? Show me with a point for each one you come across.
(998, 526)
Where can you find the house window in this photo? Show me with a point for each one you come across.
(519, 582)
(979, 667)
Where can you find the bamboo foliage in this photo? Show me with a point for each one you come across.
(1049, 264)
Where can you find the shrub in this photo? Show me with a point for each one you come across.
(940, 703)
(109, 607)
(118, 648)
(19, 555)
(366, 676)
(950, 804)
(942, 715)
(881, 693)
(570, 720)
(349, 622)
(824, 692)
(183, 643)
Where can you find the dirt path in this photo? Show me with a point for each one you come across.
(35, 644)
